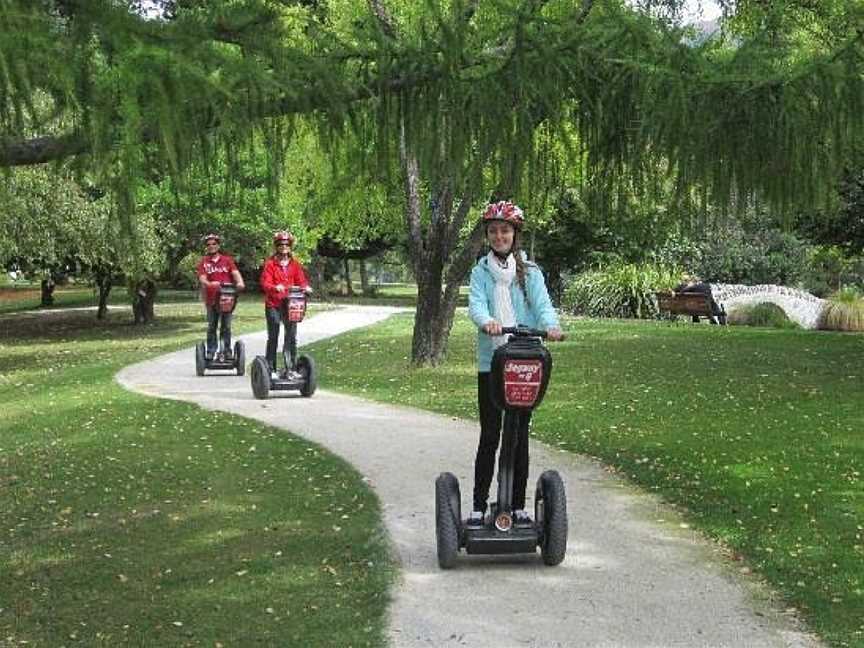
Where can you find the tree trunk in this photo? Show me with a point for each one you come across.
(368, 289)
(433, 321)
(316, 275)
(349, 289)
(143, 298)
(175, 256)
(48, 286)
(439, 262)
(104, 283)
(555, 283)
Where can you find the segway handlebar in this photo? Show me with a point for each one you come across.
(524, 331)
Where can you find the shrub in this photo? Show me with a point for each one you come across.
(844, 311)
(187, 271)
(764, 314)
(829, 267)
(620, 290)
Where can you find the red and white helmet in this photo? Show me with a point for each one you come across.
(283, 236)
(506, 211)
(210, 236)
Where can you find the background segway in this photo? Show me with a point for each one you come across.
(306, 367)
(200, 359)
(240, 357)
(260, 378)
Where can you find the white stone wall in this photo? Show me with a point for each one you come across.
(800, 306)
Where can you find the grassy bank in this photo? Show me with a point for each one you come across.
(126, 520)
(756, 432)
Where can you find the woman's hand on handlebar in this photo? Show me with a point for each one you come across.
(492, 327)
(554, 334)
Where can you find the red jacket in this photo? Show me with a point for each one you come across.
(274, 273)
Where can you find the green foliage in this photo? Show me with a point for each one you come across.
(844, 311)
(766, 315)
(743, 248)
(843, 227)
(829, 267)
(620, 290)
(49, 221)
(468, 87)
(187, 270)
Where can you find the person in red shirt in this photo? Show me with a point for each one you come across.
(214, 269)
(281, 273)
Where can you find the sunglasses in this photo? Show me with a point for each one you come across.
(213, 243)
(283, 245)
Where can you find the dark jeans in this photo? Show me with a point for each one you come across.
(274, 319)
(214, 317)
(490, 437)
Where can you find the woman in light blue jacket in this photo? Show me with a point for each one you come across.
(506, 290)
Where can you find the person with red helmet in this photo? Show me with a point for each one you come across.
(281, 273)
(506, 290)
(214, 269)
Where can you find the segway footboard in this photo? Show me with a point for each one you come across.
(489, 540)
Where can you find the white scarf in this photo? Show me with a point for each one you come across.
(503, 306)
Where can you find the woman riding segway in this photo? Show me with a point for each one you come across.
(281, 273)
(511, 308)
(506, 290)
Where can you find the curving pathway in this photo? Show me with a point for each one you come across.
(633, 576)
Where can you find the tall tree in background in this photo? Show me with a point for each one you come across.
(452, 91)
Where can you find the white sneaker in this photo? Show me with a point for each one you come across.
(475, 519)
(522, 517)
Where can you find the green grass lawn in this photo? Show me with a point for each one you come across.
(127, 520)
(404, 295)
(26, 296)
(757, 433)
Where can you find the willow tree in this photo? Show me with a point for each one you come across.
(451, 91)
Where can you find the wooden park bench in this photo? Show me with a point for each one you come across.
(695, 305)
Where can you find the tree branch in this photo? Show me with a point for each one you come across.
(39, 150)
(385, 20)
(411, 179)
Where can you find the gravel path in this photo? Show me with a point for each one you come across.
(633, 576)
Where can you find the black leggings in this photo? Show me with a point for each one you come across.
(490, 437)
(274, 319)
(215, 317)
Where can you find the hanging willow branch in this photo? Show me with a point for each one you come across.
(108, 83)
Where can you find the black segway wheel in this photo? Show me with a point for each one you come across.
(200, 360)
(240, 358)
(260, 378)
(448, 519)
(550, 511)
(310, 379)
